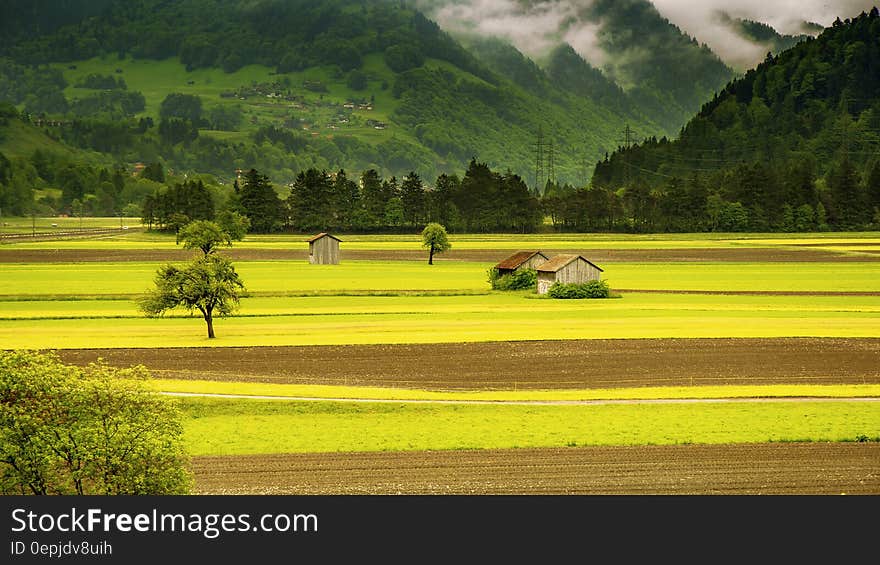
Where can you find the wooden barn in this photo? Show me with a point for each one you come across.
(521, 260)
(566, 269)
(324, 249)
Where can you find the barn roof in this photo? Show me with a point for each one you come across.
(560, 261)
(320, 235)
(518, 259)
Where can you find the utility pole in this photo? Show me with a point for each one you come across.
(627, 141)
(551, 163)
(539, 162)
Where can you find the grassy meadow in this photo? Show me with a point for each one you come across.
(155, 79)
(238, 427)
(332, 320)
(289, 302)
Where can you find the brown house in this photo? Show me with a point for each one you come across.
(521, 260)
(566, 269)
(324, 249)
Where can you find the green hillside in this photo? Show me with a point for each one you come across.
(275, 82)
(792, 145)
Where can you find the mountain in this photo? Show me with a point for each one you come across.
(664, 72)
(791, 145)
(283, 85)
(764, 35)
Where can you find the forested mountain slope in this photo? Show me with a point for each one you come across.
(793, 144)
(287, 85)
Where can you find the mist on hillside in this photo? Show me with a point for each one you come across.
(536, 26)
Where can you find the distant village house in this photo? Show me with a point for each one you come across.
(566, 269)
(324, 249)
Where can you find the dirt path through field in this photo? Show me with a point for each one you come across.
(565, 364)
(771, 468)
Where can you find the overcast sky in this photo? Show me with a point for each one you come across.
(536, 26)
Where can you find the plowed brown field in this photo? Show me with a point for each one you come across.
(782, 468)
(500, 365)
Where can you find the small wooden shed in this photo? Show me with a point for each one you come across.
(324, 249)
(521, 260)
(566, 269)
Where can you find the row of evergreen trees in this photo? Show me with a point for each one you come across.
(481, 200)
(760, 196)
(754, 197)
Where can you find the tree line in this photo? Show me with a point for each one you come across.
(481, 200)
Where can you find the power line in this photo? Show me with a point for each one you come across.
(539, 161)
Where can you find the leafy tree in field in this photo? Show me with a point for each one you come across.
(97, 430)
(204, 235)
(234, 224)
(176, 222)
(434, 238)
(208, 284)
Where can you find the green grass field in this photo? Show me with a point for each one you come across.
(44, 280)
(71, 305)
(432, 319)
(331, 392)
(19, 225)
(236, 427)
(92, 305)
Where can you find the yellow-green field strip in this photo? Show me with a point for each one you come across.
(442, 319)
(356, 393)
(237, 427)
(54, 281)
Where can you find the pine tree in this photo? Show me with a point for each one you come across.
(260, 203)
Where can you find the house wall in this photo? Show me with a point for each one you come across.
(324, 251)
(578, 272)
(545, 281)
(536, 260)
